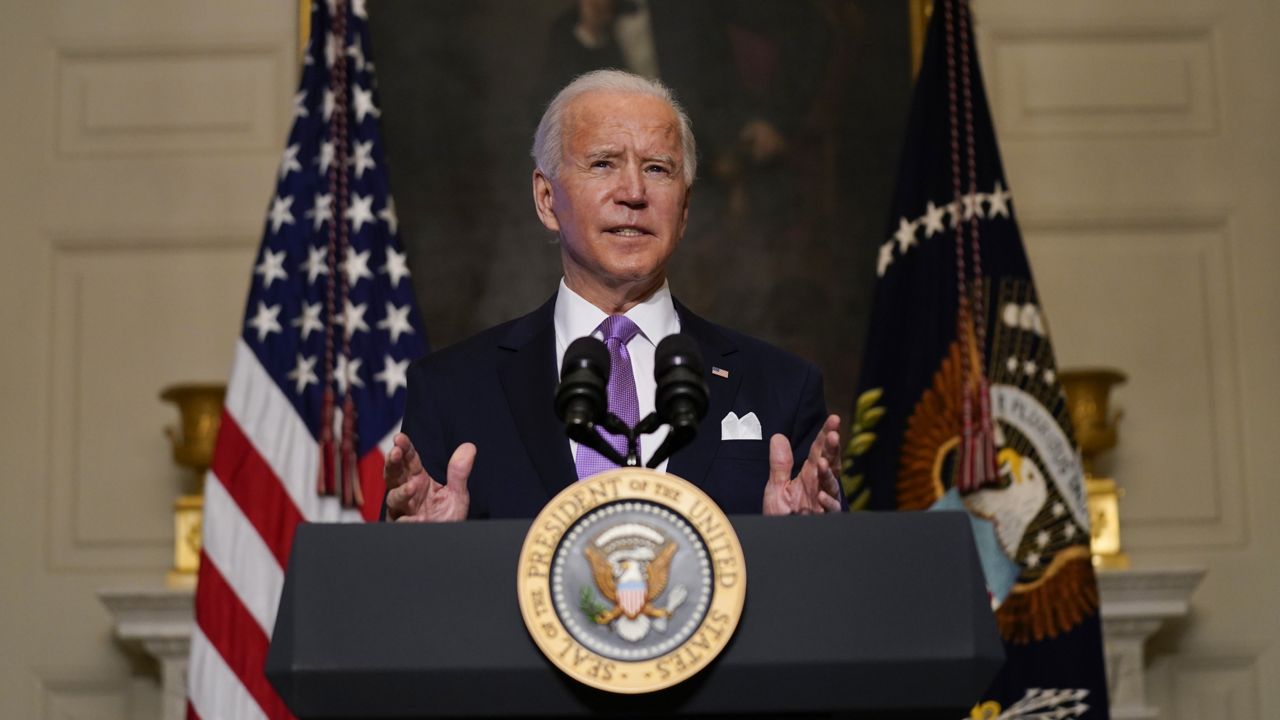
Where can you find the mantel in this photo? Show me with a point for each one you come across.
(160, 620)
(1135, 603)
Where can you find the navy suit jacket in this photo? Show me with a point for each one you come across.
(497, 388)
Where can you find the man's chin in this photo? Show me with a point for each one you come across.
(636, 266)
(645, 279)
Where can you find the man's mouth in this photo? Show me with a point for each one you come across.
(627, 231)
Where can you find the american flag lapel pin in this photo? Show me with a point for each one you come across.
(720, 372)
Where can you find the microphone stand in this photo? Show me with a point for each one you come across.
(678, 437)
(615, 425)
(586, 434)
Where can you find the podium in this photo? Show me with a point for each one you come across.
(879, 615)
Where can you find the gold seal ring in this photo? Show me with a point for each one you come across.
(631, 581)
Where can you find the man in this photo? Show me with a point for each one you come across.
(615, 161)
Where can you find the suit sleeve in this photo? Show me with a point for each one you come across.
(811, 413)
(422, 423)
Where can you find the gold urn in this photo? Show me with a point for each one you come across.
(193, 440)
(1088, 393)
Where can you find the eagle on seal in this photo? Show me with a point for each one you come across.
(632, 586)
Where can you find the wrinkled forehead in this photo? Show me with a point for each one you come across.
(599, 115)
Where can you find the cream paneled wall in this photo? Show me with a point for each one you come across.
(1140, 144)
(139, 142)
(138, 146)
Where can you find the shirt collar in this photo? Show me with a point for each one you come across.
(575, 317)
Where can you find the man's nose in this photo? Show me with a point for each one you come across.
(631, 187)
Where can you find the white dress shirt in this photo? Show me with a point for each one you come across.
(656, 318)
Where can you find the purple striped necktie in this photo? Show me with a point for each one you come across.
(618, 331)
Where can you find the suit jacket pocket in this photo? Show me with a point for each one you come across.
(744, 449)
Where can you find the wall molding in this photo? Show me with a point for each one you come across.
(166, 99)
(1198, 241)
(1206, 685)
(79, 540)
(69, 694)
(1150, 77)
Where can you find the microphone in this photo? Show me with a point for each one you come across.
(582, 399)
(682, 395)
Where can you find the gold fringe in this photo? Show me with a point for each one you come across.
(933, 430)
(1052, 605)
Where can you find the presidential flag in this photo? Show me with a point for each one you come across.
(317, 385)
(959, 406)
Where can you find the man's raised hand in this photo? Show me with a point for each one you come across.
(816, 489)
(413, 496)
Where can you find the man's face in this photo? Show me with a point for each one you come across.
(619, 200)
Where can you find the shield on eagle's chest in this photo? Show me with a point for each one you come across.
(631, 596)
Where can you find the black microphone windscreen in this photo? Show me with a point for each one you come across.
(582, 397)
(677, 350)
(586, 351)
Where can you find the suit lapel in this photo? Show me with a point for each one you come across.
(528, 379)
(693, 461)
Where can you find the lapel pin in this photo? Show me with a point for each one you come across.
(720, 372)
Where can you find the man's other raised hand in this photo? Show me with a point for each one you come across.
(412, 494)
(816, 489)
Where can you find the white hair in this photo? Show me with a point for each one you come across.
(548, 140)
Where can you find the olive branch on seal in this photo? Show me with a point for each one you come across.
(589, 605)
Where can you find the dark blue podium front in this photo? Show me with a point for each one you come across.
(869, 614)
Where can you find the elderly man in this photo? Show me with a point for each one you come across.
(615, 160)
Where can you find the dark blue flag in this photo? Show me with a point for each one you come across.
(959, 405)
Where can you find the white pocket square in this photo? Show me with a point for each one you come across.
(746, 427)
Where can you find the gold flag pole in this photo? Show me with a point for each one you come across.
(921, 11)
(304, 26)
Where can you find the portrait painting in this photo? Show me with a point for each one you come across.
(798, 109)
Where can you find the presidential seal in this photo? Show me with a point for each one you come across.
(631, 581)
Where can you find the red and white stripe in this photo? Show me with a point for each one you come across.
(261, 485)
(631, 598)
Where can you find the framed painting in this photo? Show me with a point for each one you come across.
(798, 108)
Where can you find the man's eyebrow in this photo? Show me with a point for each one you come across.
(668, 159)
(603, 152)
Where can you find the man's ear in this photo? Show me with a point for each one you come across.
(544, 201)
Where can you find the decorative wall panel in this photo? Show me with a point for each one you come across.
(1108, 83)
(1153, 299)
(1199, 687)
(71, 697)
(130, 319)
(166, 101)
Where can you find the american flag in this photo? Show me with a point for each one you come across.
(317, 385)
